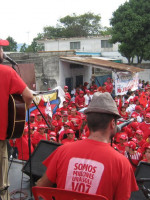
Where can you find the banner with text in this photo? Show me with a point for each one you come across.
(125, 81)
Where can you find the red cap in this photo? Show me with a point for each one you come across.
(58, 110)
(138, 108)
(147, 115)
(108, 78)
(53, 133)
(32, 115)
(87, 91)
(134, 140)
(131, 144)
(38, 113)
(134, 125)
(139, 132)
(41, 126)
(147, 146)
(4, 42)
(81, 92)
(123, 136)
(134, 115)
(65, 87)
(58, 113)
(135, 98)
(70, 131)
(86, 83)
(126, 102)
(69, 108)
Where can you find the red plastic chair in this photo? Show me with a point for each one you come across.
(48, 193)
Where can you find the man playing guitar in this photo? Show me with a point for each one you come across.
(10, 83)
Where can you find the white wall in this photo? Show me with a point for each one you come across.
(145, 75)
(66, 72)
(92, 44)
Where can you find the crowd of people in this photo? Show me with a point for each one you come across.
(68, 124)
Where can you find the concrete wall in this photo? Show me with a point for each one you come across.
(89, 44)
(46, 67)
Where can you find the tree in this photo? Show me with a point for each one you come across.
(130, 27)
(12, 45)
(35, 47)
(75, 26)
(23, 48)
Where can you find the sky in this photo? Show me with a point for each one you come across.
(24, 19)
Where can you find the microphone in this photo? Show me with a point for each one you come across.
(9, 59)
(120, 126)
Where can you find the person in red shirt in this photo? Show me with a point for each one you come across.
(23, 146)
(63, 133)
(109, 85)
(145, 126)
(64, 108)
(85, 86)
(10, 83)
(121, 146)
(70, 137)
(133, 155)
(139, 136)
(40, 135)
(32, 121)
(80, 100)
(102, 88)
(58, 119)
(67, 95)
(147, 154)
(123, 113)
(76, 121)
(39, 120)
(86, 159)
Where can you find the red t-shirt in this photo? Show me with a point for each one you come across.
(76, 121)
(92, 167)
(145, 127)
(80, 100)
(23, 148)
(10, 83)
(109, 87)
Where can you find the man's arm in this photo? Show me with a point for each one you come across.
(44, 182)
(27, 96)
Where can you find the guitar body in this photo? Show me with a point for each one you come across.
(16, 116)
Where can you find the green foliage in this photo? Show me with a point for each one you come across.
(75, 26)
(34, 47)
(12, 45)
(23, 48)
(130, 26)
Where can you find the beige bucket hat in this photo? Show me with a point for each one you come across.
(102, 103)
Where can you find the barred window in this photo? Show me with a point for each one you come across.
(74, 45)
(106, 44)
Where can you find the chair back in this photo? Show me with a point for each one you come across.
(48, 193)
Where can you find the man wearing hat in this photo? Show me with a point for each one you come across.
(10, 83)
(92, 165)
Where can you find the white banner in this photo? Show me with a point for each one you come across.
(125, 81)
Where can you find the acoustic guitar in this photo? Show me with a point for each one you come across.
(16, 116)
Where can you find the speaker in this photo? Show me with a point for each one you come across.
(41, 152)
(142, 172)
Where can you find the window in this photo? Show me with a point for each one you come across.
(74, 45)
(106, 44)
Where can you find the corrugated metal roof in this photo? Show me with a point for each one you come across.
(100, 63)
